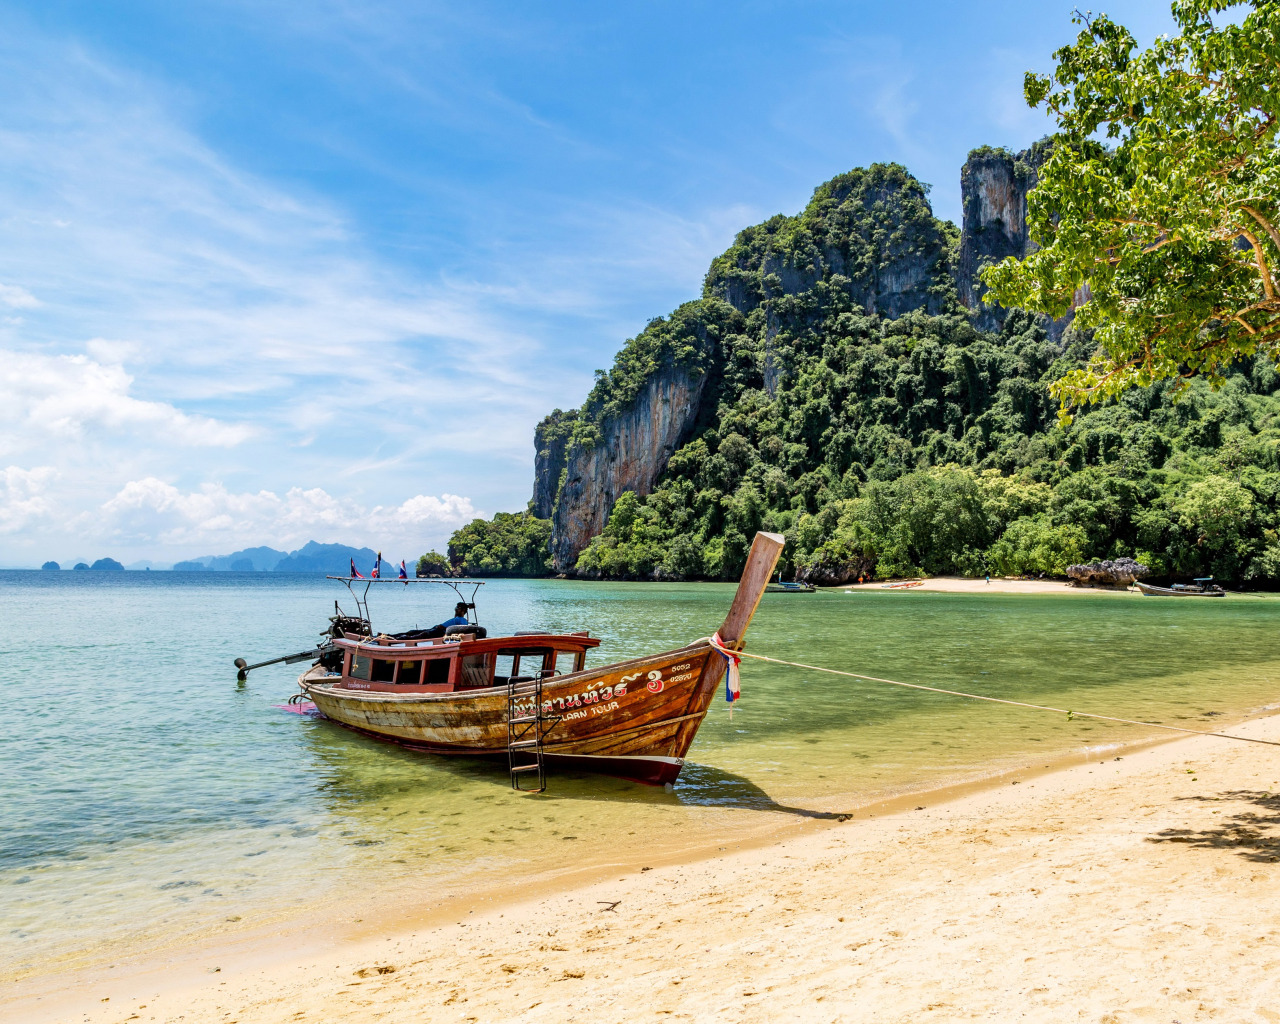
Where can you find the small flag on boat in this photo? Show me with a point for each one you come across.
(404, 573)
(732, 683)
(377, 567)
(355, 573)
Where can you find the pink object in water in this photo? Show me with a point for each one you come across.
(304, 707)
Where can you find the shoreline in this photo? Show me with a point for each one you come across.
(998, 585)
(180, 981)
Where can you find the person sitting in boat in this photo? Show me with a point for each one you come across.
(459, 617)
(437, 631)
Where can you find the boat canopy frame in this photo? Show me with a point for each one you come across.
(362, 598)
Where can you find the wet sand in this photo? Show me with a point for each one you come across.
(1143, 888)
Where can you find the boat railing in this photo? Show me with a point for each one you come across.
(361, 597)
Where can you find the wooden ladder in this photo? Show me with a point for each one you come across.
(525, 732)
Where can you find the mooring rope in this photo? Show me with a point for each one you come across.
(997, 700)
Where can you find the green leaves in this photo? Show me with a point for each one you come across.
(511, 544)
(1157, 211)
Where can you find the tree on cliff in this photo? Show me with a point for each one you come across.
(1172, 224)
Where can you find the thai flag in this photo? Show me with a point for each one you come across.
(355, 573)
(377, 567)
(404, 573)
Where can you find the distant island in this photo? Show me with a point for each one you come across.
(313, 557)
(334, 559)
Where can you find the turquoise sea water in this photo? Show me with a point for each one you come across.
(149, 799)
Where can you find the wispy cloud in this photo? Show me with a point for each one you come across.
(17, 298)
(150, 510)
(23, 501)
(62, 396)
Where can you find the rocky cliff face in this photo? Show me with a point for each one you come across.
(993, 186)
(630, 454)
(866, 239)
(550, 448)
(870, 233)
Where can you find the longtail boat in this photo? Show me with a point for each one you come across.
(529, 698)
(779, 587)
(1202, 587)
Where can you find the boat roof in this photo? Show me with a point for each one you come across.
(472, 644)
(447, 580)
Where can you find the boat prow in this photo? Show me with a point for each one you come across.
(635, 718)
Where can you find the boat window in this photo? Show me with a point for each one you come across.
(361, 666)
(437, 671)
(477, 670)
(383, 671)
(409, 673)
(526, 661)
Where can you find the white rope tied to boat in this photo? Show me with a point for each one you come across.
(737, 656)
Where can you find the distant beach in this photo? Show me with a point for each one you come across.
(997, 585)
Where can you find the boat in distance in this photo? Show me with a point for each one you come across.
(796, 587)
(528, 696)
(1201, 587)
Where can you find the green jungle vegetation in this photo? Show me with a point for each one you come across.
(1160, 191)
(885, 436)
(510, 544)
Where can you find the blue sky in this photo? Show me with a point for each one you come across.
(275, 272)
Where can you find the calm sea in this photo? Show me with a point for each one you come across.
(150, 799)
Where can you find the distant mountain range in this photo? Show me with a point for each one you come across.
(334, 559)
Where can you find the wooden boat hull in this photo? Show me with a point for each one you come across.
(635, 719)
(1151, 591)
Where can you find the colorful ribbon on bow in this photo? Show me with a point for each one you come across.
(732, 682)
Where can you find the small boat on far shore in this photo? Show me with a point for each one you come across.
(778, 587)
(1202, 587)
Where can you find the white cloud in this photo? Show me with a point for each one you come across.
(17, 298)
(177, 317)
(23, 501)
(64, 395)
(214, 518)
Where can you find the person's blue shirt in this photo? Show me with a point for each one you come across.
(457, 620)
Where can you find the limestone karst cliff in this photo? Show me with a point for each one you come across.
(993, 186)
(869, 236)
(634, 446)
(550, 453)
(839, 383)
(870, 233)
(638, 413)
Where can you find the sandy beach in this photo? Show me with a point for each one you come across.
(1138, 888)
(997, 585)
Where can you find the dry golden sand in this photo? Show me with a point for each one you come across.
(1140, 889)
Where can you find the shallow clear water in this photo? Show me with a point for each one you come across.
(148, 797)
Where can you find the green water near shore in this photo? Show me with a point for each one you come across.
(149, 799)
